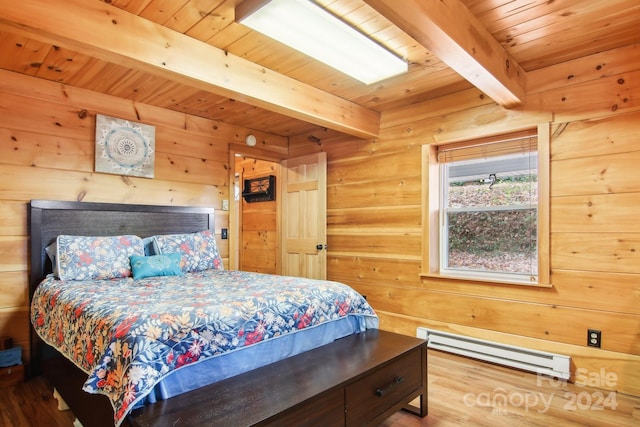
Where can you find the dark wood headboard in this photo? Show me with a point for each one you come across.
(50, 218)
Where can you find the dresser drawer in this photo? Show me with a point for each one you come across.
(383, 388)
(11, 375)
(325, 410)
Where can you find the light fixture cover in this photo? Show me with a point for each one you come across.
(310, 29)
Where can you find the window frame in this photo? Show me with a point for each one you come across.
(431, 209)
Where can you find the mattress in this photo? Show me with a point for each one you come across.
(149, 339)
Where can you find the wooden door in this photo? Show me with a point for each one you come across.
(304, 219)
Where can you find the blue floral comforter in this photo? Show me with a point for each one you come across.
(127, 335)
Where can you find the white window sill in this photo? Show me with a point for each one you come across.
(483, 280)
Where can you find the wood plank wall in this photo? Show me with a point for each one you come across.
(374, 202)
(374, 217)
(47, 139)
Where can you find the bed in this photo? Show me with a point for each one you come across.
(109, 342)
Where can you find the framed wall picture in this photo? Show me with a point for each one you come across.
(124, 148)
(261, 189)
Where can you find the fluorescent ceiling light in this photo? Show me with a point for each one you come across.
(306, 27)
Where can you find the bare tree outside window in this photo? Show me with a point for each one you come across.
(489, 220)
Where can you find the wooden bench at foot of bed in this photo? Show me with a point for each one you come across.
(359, 380)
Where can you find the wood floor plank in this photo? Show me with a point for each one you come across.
(462, 392)
(31, 404)
(467, 392)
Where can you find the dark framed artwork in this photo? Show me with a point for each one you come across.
(260, 189)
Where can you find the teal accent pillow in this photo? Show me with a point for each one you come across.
(156, 265)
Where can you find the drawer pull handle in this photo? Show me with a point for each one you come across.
(384, 390)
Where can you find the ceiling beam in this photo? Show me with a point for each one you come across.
(95, 28)
(452, 33)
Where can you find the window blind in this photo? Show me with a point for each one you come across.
(518, 143)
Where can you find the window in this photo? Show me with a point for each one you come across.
(487, 218)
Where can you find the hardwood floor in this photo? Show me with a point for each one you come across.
(466, 392)
(31, 404)
(462, 392)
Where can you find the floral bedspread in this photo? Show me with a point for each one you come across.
(127, 335)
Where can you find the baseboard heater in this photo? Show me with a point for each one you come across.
(540, 362)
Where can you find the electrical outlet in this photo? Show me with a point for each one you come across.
(223, 233)
(594, 338)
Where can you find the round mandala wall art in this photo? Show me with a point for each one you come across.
(124, 148)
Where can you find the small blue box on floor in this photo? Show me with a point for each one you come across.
(11, 356)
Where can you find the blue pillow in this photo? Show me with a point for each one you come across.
(156, 265)
(95, 257)
(149, 249)
(199, 250)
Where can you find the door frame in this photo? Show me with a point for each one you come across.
(235, 219)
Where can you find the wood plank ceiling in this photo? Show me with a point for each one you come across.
(66, 41)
